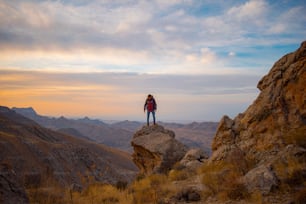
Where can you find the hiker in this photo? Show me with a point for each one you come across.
(151, 106)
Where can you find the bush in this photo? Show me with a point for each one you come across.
(178, 175)
(222, 180)
(100, 193)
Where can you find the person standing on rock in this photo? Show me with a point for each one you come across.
(151, 106)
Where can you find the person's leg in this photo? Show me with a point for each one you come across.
(153, 114)
(148, 117)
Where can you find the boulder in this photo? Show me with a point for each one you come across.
(261, 178)
(156, 150)
(194, 158)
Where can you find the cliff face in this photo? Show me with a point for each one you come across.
(273, 128)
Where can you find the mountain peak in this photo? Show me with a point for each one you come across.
(25, 111)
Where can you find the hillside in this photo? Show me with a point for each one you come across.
(35, 157)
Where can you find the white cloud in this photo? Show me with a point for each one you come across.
(141, 36)
(231, 54)
(251, 10)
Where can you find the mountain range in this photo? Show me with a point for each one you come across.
(119, 134)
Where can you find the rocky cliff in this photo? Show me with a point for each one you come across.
(270, 135)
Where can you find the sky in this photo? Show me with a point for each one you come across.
(200, 59)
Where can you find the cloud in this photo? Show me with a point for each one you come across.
(250, 11)
(143, 36)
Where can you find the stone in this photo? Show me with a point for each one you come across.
(261, 178)
(194, 158)
(156, 150)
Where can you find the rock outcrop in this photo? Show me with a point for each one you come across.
(156, 150)
(271, 132)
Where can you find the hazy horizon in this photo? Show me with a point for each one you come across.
(200, 59)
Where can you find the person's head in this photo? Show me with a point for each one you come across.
(150, 96)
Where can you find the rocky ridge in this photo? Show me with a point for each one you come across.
(272, 131)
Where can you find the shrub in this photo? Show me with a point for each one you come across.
(100, 193)
(222, 180)
(155, 188)
(178, 175)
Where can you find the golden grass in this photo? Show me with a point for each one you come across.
(222, 181)
(178, 175)
(99, 193)
(152, 189)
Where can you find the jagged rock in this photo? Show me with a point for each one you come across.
(270, 134)
(194, 158)
(227, 136)
(156, 150)
(279, 108)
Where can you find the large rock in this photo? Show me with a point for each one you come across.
(260, 178)
(156, 150)
(279, 109)
(257, 139)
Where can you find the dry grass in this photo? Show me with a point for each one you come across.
(152, 189)
(222, 181)
(178, 175)
(99, 193)
(46, 195)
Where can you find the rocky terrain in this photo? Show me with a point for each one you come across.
(268, 140)
(258, 157)
(33, 157)
(119, 134)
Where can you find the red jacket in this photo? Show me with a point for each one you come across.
(150, 105)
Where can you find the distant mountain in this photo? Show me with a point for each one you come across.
(119, 134)
(32, 156)
(94, 130)
(196, 134)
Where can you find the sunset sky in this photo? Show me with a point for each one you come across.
(201, 59)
